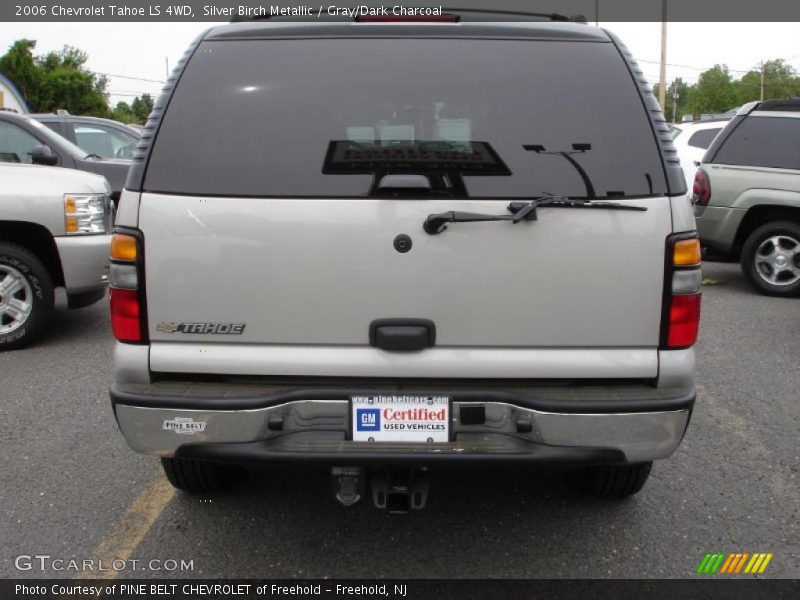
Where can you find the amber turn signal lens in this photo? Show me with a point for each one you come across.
(686, 253)
(123, 247)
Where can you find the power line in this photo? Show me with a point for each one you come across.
(655, 62)
(129, 77)
(755, 68)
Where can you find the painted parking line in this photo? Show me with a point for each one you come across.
(130, 530)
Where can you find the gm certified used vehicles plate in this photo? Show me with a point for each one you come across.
(403, 244)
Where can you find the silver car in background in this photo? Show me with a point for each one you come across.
(54, 233)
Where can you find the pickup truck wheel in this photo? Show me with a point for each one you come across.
(771, 259)
(611, 481)
(26, 296)
(194, 476)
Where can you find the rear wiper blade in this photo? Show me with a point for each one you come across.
(520, 211)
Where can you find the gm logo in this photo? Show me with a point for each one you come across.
(368, 419)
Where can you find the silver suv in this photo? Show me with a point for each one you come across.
(747, 195)
(405, 244)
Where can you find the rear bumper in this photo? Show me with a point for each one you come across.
(717, 226)
(314, 425)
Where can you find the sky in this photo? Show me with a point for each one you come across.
(135, 55)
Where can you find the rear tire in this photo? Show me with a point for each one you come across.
(195, 476)
(611, 481)
(768, 261)
(26, 296)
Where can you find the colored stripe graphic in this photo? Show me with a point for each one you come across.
(765, 563)
(711, 563)
(758, 563)
(734, 562)
(703, 563)
(727, 564)
(741, 562)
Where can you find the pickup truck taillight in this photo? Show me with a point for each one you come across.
(681, 308)
(127, 305)
(701, 190)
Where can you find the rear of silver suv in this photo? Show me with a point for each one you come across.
(385, 246)
(747, 195)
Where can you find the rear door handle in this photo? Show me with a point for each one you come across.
(402, 335)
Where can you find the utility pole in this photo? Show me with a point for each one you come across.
(762, 81)
(166, 63)
(675, 97)
(662, 79)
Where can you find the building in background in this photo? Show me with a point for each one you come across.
(10, 96)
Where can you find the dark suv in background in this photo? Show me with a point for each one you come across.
(747, 195)
(103, 137)
(26, 140)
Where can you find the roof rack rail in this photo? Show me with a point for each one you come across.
(791, 104)
(241, 19)
(518, 13)
(488, 11)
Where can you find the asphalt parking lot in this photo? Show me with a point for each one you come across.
(71, 489)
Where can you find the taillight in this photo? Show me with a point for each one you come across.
(701, 190)
(684, 321)
(681, 310)
(127, 315)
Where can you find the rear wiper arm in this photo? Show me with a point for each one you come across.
(520, 211)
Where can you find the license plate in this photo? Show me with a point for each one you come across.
(401, 418)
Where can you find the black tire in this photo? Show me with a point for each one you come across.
(15, 260)
(611, 481)
(787, 229)
(195, 476)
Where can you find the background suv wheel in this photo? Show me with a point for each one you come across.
(771, 259)
(26, 296)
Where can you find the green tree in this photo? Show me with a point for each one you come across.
(684, 91)
(19, 66)
(780, 81)
(714, 92)
(122, 112)
(67, 84)
(55, 80)
(141, 107)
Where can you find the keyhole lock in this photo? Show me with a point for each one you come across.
(402, 243)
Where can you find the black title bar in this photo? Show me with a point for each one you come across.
(707, 587)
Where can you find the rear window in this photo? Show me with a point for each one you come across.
(702, 139)
(763, 142)
(476, 118)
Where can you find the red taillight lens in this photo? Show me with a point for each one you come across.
(701, 190)
(684, 321)
(126, 315)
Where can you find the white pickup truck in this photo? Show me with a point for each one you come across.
(54, 233)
